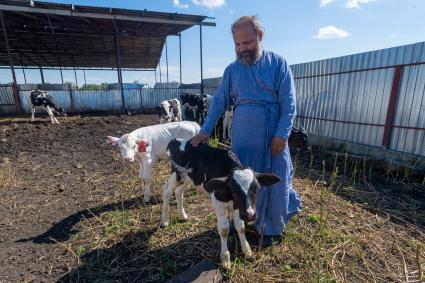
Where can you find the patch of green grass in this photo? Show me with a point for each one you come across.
(327, 277)
(313, 218)
(110, 229)
(190, 192)
(286, 268)
(179, 226)
(241, 262)
(211, 217)
(117, 220)
(213, 142)
(80, 251)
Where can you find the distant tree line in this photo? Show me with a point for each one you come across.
(102, 86)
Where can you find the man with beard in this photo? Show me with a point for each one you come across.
(261, 86)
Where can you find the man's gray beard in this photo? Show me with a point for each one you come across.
(250, 59)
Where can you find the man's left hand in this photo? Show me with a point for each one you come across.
(278, 145)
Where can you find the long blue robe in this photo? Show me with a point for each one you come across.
(264, 98)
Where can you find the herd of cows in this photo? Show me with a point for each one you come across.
(216, 172)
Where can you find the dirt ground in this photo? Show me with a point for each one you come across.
(51, 168)
(71, 211)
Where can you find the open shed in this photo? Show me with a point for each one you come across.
(42, 35)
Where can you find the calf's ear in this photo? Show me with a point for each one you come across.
(267, 179)
(216, 185)
(112, 140)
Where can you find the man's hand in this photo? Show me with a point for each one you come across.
(197, 139)
(278, 145)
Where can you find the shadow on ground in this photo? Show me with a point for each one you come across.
(62, 230)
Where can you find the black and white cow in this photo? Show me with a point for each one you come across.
(194, 107)
(231, 186)
(299, 139)
(169, 111)
(208, 100)
(40, 98)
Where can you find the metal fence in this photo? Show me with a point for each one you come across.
(375, 98)
(7, 100)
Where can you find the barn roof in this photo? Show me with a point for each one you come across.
(62, 35)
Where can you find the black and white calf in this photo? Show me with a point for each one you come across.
(208, 100)
(170, 111)
(231, 186)
(40, 98)
(194, 107)
(299, 139)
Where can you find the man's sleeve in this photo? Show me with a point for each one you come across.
(286, 100)
(219, 104)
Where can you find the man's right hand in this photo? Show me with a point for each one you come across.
(197, 139)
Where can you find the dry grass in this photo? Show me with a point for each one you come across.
(7, 175)
(350, 230)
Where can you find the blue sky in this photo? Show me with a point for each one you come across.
(299, 30)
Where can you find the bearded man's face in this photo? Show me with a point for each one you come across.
(247, 44)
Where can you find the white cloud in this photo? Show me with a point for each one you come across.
(356, 3)
(177, 4)
(323, 3)
(329, 32)
(211, 4)
(348, 3)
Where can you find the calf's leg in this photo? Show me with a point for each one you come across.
(223, 231)
(146, 180)
(53, 120)
(179, 192)
(240, 227)
(32, 113)
(169, 186)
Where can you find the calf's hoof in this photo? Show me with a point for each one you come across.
(226, 265)
(146, 200)
(225, 260)
(183, 216)
(249, 255)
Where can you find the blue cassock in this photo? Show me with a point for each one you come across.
(264, 98)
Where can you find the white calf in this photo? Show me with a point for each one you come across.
(148, 144)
